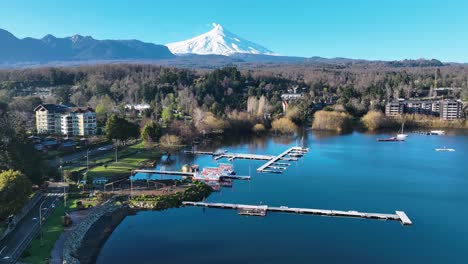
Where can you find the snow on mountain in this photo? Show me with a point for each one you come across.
(217, 41)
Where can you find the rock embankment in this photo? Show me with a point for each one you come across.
(83, 243)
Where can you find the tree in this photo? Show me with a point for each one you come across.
(167, 115)
(169, 143)
(151, 132)
(15, 189)
(121, 130)
(16, 151)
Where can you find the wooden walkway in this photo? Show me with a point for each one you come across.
(260, 210)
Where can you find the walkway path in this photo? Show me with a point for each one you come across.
(57, 252)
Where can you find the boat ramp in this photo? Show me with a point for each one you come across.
(261, 210)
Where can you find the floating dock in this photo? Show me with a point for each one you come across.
(273, 164)
(169, 173)
(189, 174)
(261, 210)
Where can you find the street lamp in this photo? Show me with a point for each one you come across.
(64, 190)
(131, 185)
(40, 220)
(87, 159)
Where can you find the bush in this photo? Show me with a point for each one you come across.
(335, 121)
(374, 120)
(283, 126)
(258, 129)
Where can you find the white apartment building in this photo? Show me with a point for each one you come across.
(60, 119)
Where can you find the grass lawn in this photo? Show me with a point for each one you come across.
(134, 156)
(52, 228)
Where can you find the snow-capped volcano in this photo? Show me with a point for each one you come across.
(217, 41)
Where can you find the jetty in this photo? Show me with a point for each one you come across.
(261, 210)
(274, 164)
(187, 174)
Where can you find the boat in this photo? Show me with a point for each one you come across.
(295, 154)
(226, 169)
(437, 132)
(401, 135)
(390, 139)
(445, 149)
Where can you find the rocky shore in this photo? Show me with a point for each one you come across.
(83, 244)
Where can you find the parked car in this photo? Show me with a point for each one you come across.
(100, 181)
(104, 148)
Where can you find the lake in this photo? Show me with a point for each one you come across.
(342, 172)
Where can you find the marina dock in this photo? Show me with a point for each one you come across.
(169, 173)
(261, 210)
(270, 164)
(188, 174)
(274, 164)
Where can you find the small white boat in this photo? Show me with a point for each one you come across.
(437, 132)
(401, 136)
(445, 149)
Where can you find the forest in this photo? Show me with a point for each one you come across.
(228, 98)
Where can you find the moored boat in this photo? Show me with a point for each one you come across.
(390, 139)
(445, 149)
(437, 132)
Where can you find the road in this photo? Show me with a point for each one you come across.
(92, 152)
(15, 241)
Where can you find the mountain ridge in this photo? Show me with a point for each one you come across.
(75, 48)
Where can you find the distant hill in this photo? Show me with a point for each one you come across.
(76, 48)
(213, 49)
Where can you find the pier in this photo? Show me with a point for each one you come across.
(188, 174)
(282, 156)
(261, 210)
(274, 164)
(169, 173)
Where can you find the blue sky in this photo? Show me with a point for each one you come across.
(366, 29)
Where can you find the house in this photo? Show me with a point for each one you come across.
(137, 107)
(65, 120)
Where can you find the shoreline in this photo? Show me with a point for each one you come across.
(86, 241)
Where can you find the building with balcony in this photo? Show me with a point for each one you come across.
(446, 109)
(451, 109)
(394, 108)
(64, 120)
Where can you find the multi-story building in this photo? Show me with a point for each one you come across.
(394, 108)
(451, 109)
(60, 119)
(422, 107)
(78, 122)
(446, 109)
(48, 118)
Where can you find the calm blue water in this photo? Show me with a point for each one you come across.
(347, 172)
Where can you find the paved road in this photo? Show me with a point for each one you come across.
(92, 152)
(15, 240)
